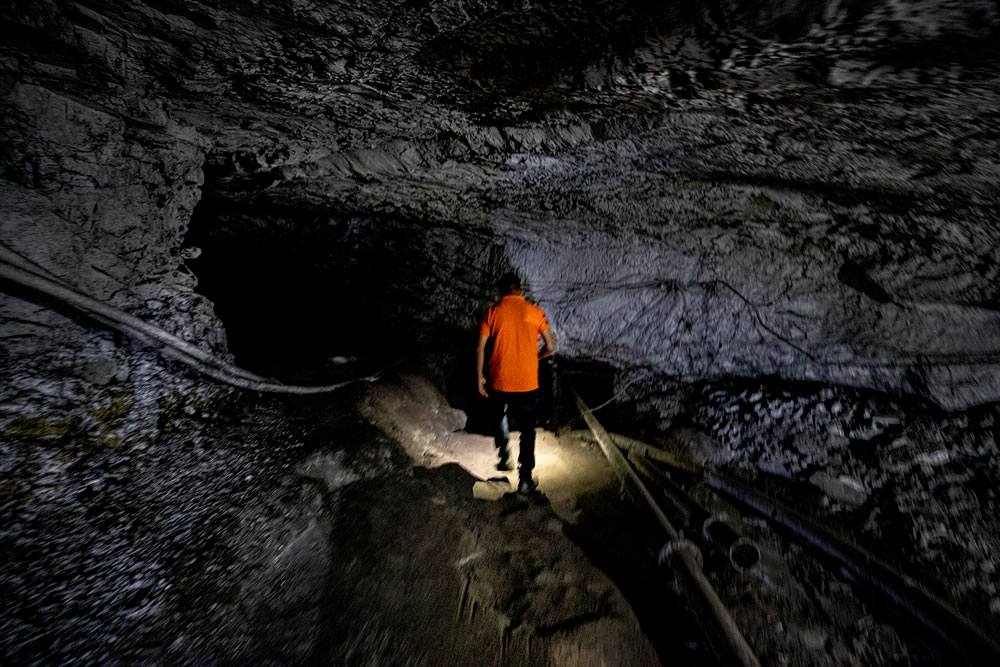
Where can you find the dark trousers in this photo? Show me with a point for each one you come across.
(522, 406)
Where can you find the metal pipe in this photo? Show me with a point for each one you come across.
(654, 453)
(622, 468)
(742, 552)
(715, 529)
(712, 616)
(932, 612)
(688, 513)
(18, 270)
(682, 556)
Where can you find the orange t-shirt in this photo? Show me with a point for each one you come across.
(513, 325)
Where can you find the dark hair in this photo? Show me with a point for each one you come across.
(508, 283)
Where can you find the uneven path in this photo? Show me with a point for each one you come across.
(298, 530)
(424, 573)
(460, 570)
(369, 527)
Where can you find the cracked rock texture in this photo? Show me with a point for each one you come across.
(693, 190)
(912, 485)
(793, 189)
(210, 544)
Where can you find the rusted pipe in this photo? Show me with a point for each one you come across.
(932, 612)
(683, 558)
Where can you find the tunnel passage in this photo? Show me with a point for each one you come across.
(309, 296)
(756, 189)
(275, 285)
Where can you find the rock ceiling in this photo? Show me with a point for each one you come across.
(789, 188)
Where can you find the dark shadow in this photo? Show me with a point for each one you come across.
(623, 541)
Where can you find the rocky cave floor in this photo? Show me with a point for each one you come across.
(914, 486)
(366, 527)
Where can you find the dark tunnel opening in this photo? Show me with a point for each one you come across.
(281, 288)
(314, 297)
(311, 297)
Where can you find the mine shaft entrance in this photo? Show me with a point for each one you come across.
(311, 296)
(283, 287)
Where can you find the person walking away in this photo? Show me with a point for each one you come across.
(513, 326)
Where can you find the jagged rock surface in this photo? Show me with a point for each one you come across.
(737, 189)
(799, 190)
(210, 544)
(913, 485)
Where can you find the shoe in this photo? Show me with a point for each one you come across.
(526, 486)
(504, 465)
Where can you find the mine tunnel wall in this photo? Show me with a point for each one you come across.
(299, 287)
(99, 198)
(100, 182)
(717, 303)
(754, 246)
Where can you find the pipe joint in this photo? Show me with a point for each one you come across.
(681, 544)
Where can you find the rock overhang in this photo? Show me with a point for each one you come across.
(830, 169)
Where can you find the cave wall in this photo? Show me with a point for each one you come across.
(738, 188)
(814, 203)
(853, 136)
(754, 302)
(98, 184)
(702, 190)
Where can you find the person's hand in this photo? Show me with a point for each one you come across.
(482, 387)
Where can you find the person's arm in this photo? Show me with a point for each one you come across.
(480, 360)
(550, 344)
